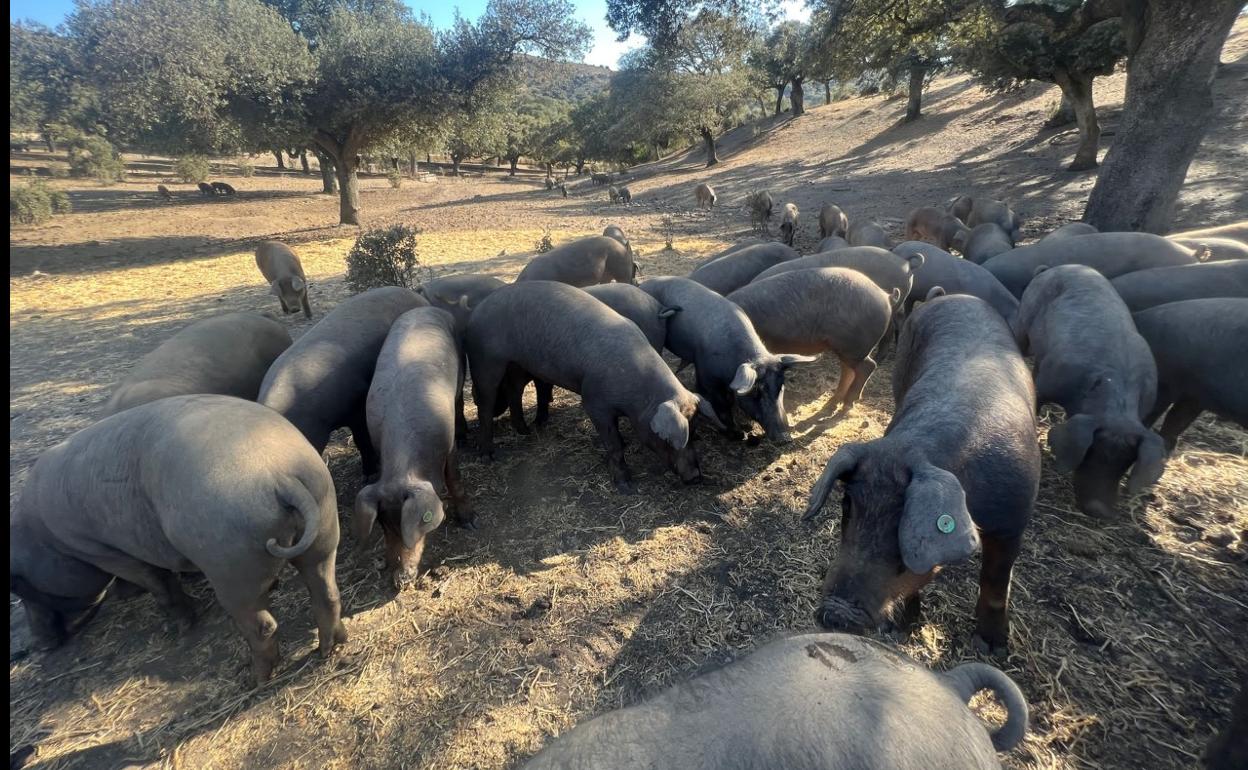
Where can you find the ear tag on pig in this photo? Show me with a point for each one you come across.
(427, 516)
(946, 524)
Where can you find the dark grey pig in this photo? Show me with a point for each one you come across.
(731, 271)
(210, 484)
(983, 242)
(1201, 349)
(955, 276)
(321, 382)
(227, 355)
(1091, 361)
(809, 702)
(1110, 254)
(731, 362)
(638, 307)
(958, 466)
(866, 232)
(459, 294)
(831, 243)
(890, 272)
(1070, 230)
(562, 336)
(1157, 286)
(411, 419)
(583, 262)
(830, 309)
(284, 272)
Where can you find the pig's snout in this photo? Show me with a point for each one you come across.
(838, 614)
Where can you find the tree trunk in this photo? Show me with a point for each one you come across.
(797, 98)
(779, 99)
(329, 183)
(827, 92)
(580, 166)
(1077, 89)
(49, 140)
(709, 139)
(513, 160)
(412, 164)
(303, 160)
(914, 106)
(1173, 52)
(281, 164)
(1064, 115)
(455, 159)
(762, 106)
(348, 193)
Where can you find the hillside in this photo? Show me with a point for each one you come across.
(567, 81)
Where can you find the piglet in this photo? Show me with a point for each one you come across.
(284, 272)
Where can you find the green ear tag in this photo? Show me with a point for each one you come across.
(427, 516)
(945, 523)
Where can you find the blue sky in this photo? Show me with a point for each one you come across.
(605, 51)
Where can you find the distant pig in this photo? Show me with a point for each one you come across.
(284, 272)
(1201, 349)
(321, 382)
(760, 204)
(957, 466)
(411, 419)
(866, 232)
(227, 355)
(983, 243)
(955, 276)
(638, 307)
(808, 702)
(583, 262)
(832, 221)
(210, 484)
(934, 226)
(989, 210)
(1070, 230)
(831, 309)
(737, 267)
(788, 223)
(705, 196)
(626, 197)
(1157, 286)
(1091, 361)
(731, 363)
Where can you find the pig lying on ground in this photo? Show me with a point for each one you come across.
(732, 364)
(808, 702)
(832, 221)
(583, 262)
(210, 484)
(731, 271)
(955, 276)
(638, 307)
(411, 419)
(1218, 248)
(1201, 350)
(1091, 361)
(957, 466)
(321, 382)
(704, 195)
(1070, 230)
(1159, 285)
(221, 188)
(284, 272)
(830, 309)
(227, 355)
(983, 243)
(1110, 254)
(562, 336)
(1236, 231)
(832, 243)
(931, 225)
(865, 232)
(788, 224)
(206, 189)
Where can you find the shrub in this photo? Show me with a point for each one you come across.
(245, 168)
(35, 203)
(92, 156)
(385, 256)
(669, 234)
(192, 169)
(544, 244)
(396, 179)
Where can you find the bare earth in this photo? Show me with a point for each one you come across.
(572, 599)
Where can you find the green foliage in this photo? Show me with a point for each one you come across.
(545, 243)
(35, 203)
(396, 179)
(246, 168)
(386, 256)
(46, 89)
(93, 156)
(192, 169)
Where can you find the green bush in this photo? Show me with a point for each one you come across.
(92, 156)
(35, 203)
(544, 244)
(245, 168)
(386, 256)
(396, 179)
(192, 169)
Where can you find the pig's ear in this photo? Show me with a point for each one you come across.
(790, 360)
(746, 380)
(365, 514)
(915, 261)
(297, 283)
(420, 515)
(1150, 462)
(670, 425)
(706, 410)
(933, 293)
(935, 527)
(1071, 440)
(839, 466)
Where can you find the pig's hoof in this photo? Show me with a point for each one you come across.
(996, 648)
(1098, 510)
(401, 579)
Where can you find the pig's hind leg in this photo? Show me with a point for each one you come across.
(243, 590)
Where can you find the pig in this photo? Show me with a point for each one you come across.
(613, 194)
(411, 419)
(1111, 254)
(614, 231)
(1218, 248)
(227, 354)
(832, 243)
(206, 189)
(705, 196)
(583, 262)
(734, 247)
(626, 197)
(982, 243)
(1157, 286)
(164, 192)
(730, 361)
(562, 336)
(989, 210)
(1070, 230)
(1201, 350)
(638, 307)
(284, 272)
(321, 382)
(955, 276)
(832, 221)
(957, 468)
(831, 309)
(889, 271)
(934, 226)
(1236, 231)
(760, 204)
(202, 483)
(788, 224)
(960, 207)
(867, 232)
(806, 702)
(731, 271)
(1091, 361)
(221, 188)
(459, 294)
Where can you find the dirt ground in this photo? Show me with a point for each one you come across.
(1129, 637)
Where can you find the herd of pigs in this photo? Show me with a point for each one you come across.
(208, 455)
